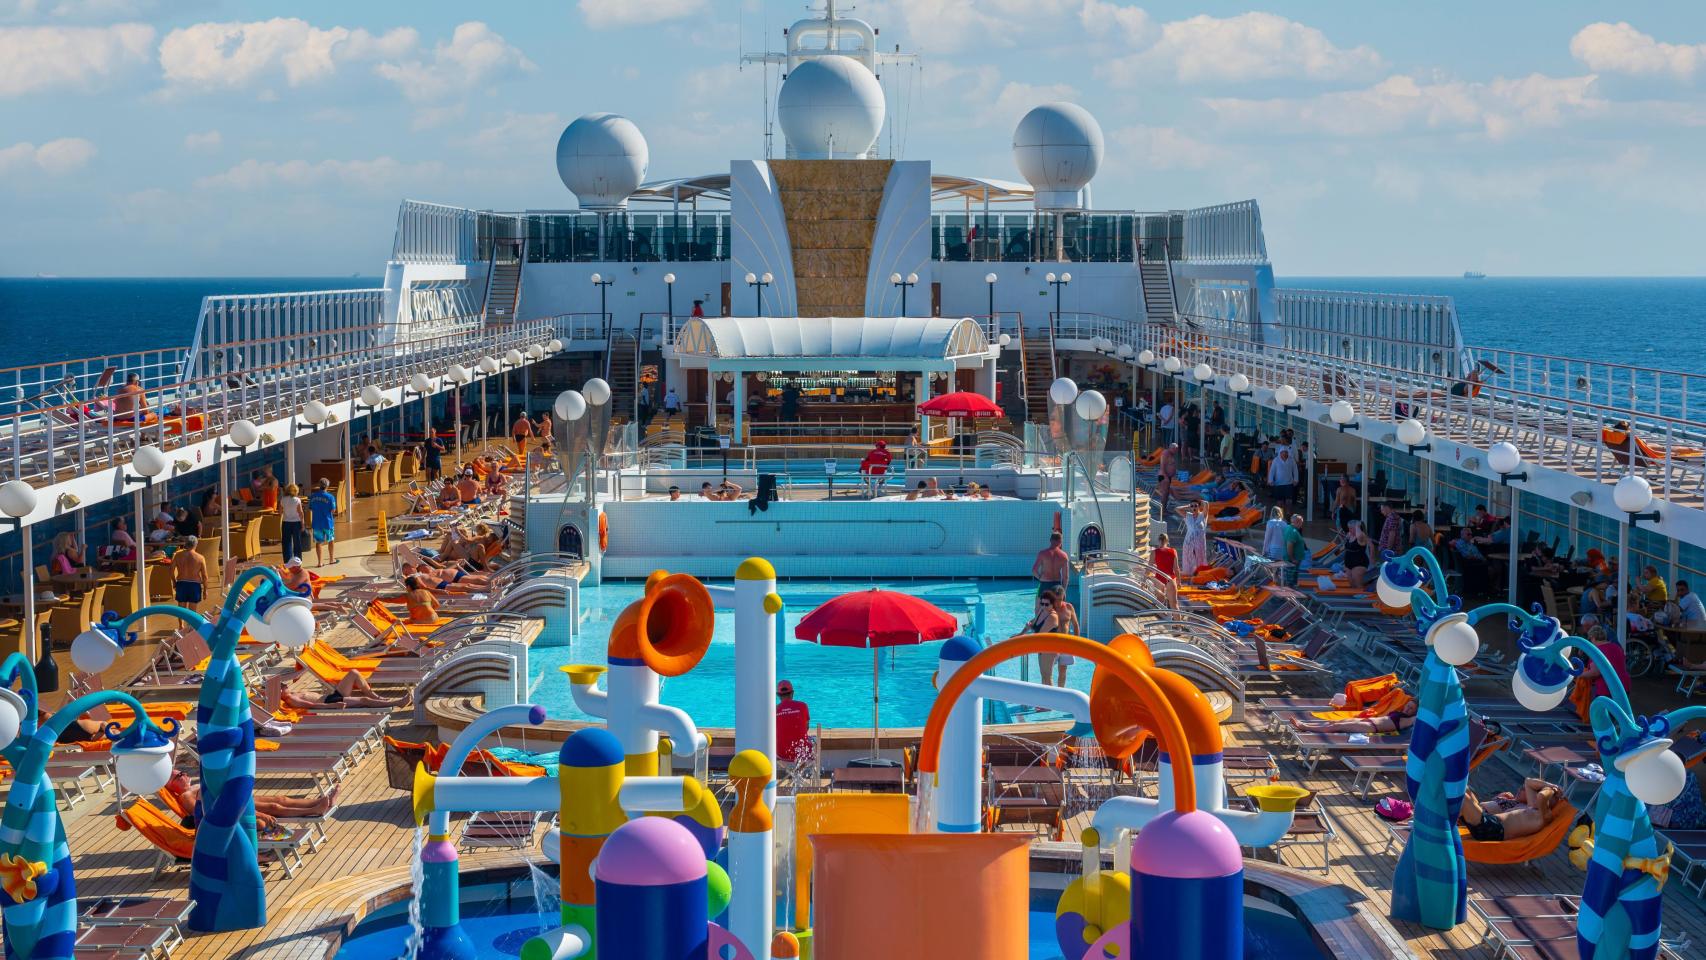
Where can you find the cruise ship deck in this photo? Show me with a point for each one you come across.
(464, 616)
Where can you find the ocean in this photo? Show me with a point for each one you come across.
(1646, 321)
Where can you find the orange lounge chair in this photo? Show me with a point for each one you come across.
(1523, 849)
(1391, 701)
(1244, 520)
(174, 843)
(329, 664)
(1202, 476)
(385, 621)
(1150, 459)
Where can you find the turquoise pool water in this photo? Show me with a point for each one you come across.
(835, 682)
(498, 928)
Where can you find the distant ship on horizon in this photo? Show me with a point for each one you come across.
(1474, 275)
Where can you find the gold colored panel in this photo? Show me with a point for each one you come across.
(831, 210)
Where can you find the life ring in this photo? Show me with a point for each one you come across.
(603, 532)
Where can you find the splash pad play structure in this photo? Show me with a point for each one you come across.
(642, 856)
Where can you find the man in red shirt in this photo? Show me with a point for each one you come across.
(875, 466)
(793, 721)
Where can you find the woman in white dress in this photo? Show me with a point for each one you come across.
(1195, 552)
(1273, 535)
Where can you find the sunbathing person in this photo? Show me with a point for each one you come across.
(468, 488)
(447, 574)
(352, 693)
(296, 579)
(448, 498)
(1398, 721)
(267, 808)
(1510, 816)
(423, 606)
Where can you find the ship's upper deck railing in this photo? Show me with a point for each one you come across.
(1560, 412)
(78, 425)
(1229, 233)
(1090, 236)
(244, 331)
(434, 233)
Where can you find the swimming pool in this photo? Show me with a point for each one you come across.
(835, 682)
(498, 927)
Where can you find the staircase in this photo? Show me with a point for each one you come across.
(622, 372)
(1157, 277)
(1038, 358)
(503, 284)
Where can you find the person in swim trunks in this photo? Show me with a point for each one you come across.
(1397, 721)
(1510, 816)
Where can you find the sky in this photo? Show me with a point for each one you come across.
(201, 138)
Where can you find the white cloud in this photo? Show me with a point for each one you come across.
(35, 59)
(1620, 48)
(476, 53)
(1116, 22)
(207, 140)
(1161, 148)
(1241, 49)
(55, 157)
(946, 26)
(605, 14)
(233, 55)
(380, 172)
(1016, 99)
(519, 133)
(1403, 104)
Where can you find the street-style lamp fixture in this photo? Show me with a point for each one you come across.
(487, 365)
(17, 501)
(314, 413)
(989, 281)
(514, 358)
(1285, 396)
(1057, 283)
(1203, 373)
(372, 399)
(1146, 358)
(1239, 385)
(603, 284)
(1172, 365)
(1504, 459)
(419, 385)
(904, 283)
(758, 283)
(669, 296)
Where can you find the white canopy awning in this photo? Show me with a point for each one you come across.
(838, 343)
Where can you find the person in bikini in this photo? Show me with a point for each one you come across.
(1044, 620)
(352, 692)
(1510, 816)
(423, 606)
(1398, 721)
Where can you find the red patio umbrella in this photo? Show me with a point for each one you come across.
(962, 405)
(873, 619)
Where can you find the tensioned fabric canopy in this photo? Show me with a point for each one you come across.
(876, 342)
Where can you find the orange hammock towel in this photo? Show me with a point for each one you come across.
(1523, 849)
(159, 828)
(1389, 702)
(1206, 575)
(383, 619)
(1363, 692)
(330, 665)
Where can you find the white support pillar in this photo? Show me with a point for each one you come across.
(711, 398)
(32, 636)
(739, 404)
(140, 535)
(986, 379)
(1362, 495)
(1623, 584)
(1310, 493)
(1514, 548)
(225, 468)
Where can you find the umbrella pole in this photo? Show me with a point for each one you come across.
(876, 725)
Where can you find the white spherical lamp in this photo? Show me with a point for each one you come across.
(17, 498)
(1535, 691)
(1203, 372)
(1063, 391)
(1172, 364)
(768, 277)
(1653, 772)
(244, 433)
(459, 373)
(514, 357)
(1411, 433)
(990, 278)
(94, 651)
(372, 396)
(569, 406)
(143, 770)
(1006, 339)
(315, 412)
(1454, 639)
(1503, 457)
(148, 461)
(1091, 405)
(751, 278)
(1146, 357)
(669, 278)
(289, 622)
(12, 710)
(1238, 383)
(420, 383)
(1391, 594)
(596, 391)
(1632, 494)
(1124, 352)
(1285, 395)
(488, 365)
(554, 346)
(1342, 413)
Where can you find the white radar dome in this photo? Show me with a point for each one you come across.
(831, 108)
(1058, 148)
(602, 157)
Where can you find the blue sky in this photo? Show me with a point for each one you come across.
(196, 137)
